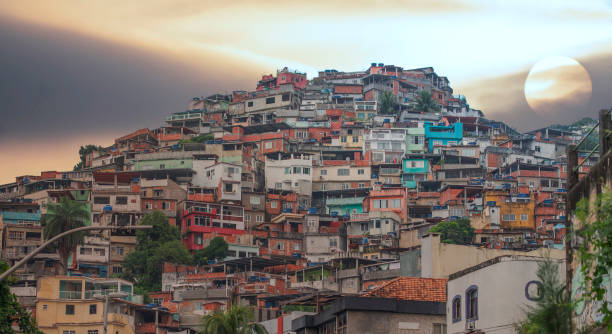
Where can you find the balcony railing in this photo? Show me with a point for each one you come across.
(71, 295)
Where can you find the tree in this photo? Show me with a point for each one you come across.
(159, 244)
(216, 250)
(83, 152)
(553, 310)
(458, 232)
(236, 320)
(387, 103)
(61, 217)
(426, 103)
(198, 139)
(595, 251)
(11, 311)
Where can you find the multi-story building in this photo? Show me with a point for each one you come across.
(387, 145)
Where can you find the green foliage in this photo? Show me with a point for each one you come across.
(387, 103)
(595, 252)
(61, 217)
(585, 121)
(236, 320)
(157, 245)
(426, 103)
(198, 139)
(553, 311)
(216, 250)
(11, 311)
(458, 232)
(83, 152)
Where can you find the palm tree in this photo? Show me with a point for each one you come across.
(236, 320)
(387, 103)
(64, 216)
(426, 103)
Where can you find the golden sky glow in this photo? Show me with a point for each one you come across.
(218, 46)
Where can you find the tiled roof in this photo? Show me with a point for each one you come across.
(412, 288)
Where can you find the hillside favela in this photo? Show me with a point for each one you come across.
(369, 201)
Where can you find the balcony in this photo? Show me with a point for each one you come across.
(71, 295)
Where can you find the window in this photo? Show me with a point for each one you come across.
(70, 309)
(250, 104)
(364, 227)
(258, 218)
(416, 140)
(361, 185)
(343, 139)
(287, 170)
(117, 270)
(101, 200)
(508, 217)
(229, 188)
(456, 305)
(306, 170)
(333, 242)
(297, 170)
(323, 186)
(360, 172)
(278, 185)
(44, 307)
(343, 172)
(323, 171)
(162, 166)
(247, 218)
(68, 332)
(471, 303)
(16, 235)
(355, 139)
(242, 254)
(270, 100)
(396, 203)
(121, 200)
(524, 217)
(537, 148)
(285, 97)
(377, 223)
(93, 309)
(274, 204)
(345, 186)
(439, 328)
(381, 204)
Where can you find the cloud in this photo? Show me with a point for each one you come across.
(502, 98)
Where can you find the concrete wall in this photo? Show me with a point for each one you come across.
(439, 260)
(391, 323)
(502, 297)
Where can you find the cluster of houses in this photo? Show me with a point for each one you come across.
(326, 203)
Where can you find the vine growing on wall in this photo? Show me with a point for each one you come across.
(595, 251)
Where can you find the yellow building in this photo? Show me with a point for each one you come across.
(508, 211)
(75, 305)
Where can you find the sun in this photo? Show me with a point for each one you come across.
(556, 81)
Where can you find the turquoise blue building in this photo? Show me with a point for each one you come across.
(443, 135)
(414, 169)
(9, 217)
(344, 206)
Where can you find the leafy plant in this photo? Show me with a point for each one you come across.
(426, 103)
(236, 320)
(11, 311)
(157, 245)
(458, 232)
(83, 152)
(553, 310)
(216, 250)
(595, 251)
(61, 217)
(387, 103)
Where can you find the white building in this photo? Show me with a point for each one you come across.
(223, 176)
(387, 145)
(491, 295)
(291, 172)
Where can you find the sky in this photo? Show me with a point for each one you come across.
(80, 72)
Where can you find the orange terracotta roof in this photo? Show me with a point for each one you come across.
(412, 288)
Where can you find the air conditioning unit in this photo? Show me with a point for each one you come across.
(470, 325)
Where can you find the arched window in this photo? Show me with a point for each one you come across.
(456, 308)
(471, 303)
